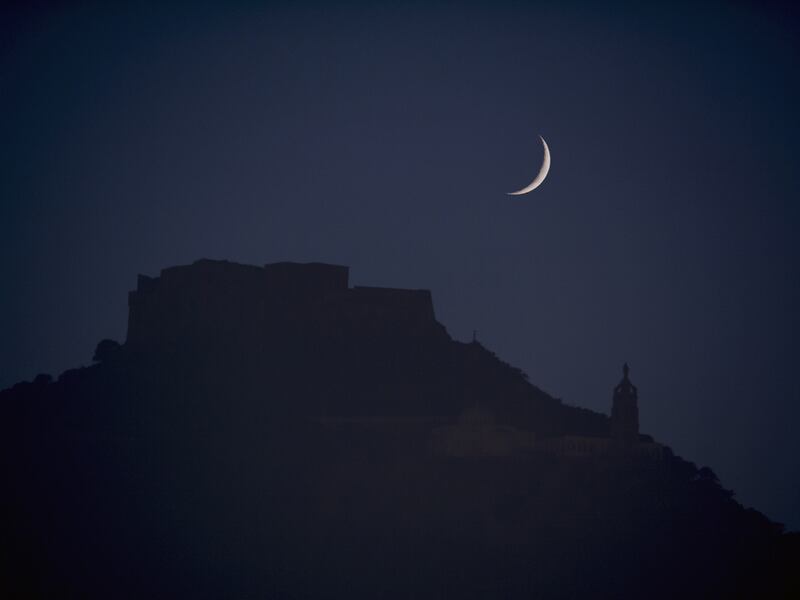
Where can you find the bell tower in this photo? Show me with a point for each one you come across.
(625, 410)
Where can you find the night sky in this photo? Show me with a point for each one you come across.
(385, 137)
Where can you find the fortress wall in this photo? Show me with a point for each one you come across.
(223, 300)
(192, 299)
(219, 299)
(378, 312)
(306, 279)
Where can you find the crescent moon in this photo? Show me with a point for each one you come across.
(540, 177)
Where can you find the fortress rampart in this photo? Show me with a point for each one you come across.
(219, 298)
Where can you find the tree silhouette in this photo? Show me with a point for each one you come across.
(106, 350)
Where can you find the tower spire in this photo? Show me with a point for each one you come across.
(625, 410)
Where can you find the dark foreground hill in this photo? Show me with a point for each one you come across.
(274, 433)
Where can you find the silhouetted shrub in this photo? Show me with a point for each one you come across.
(106, 350)
(43, 379)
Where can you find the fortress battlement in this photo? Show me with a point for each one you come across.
(220, 297)
(278, 277)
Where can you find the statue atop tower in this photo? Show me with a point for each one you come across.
(625, 410)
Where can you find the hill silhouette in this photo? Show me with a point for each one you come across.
(272, 432)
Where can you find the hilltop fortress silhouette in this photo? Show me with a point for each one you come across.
(209, 298)
(272, 432)
(217, 302)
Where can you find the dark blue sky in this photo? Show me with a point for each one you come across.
(385, 138)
